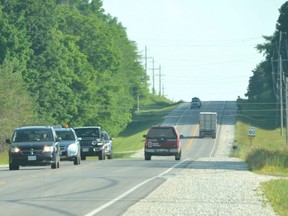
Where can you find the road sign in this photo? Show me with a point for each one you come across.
(252, 132)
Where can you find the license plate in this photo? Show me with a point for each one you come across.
(162, 150)
(32, 158)
(85, 149)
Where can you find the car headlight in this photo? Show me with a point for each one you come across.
(48, 149)
(94, 142)
(72, 149)
(15, 150)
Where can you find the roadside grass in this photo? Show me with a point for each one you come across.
(3, 158)
(4, 153)
(267, 153)
(276, 193)
(152, 112)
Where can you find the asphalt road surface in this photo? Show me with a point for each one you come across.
(107, 187)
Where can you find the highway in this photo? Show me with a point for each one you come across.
(107, 187)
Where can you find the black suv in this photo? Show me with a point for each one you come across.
(34, 146)
(93, 142)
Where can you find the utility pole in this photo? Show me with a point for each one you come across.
(153, 73)
(286, 96)
(280, 83)
(276, 90)
(160, 80)
(153, 78)
(159, 69)
(146, 61)
(138, 107)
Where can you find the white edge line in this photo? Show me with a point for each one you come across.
(180, 117)
(131, 190)
(214, 146)
(135, 187)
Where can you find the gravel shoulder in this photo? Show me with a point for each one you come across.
(218, 185)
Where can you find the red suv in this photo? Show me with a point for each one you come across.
(163, 141)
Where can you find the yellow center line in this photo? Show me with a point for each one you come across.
(193, 135)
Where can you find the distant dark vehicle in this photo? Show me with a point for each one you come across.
(163, 141)
(94, 142)
(196, 103)
(69, 145)
(34, 146)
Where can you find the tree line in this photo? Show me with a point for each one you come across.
(263, 90)
(66, 61)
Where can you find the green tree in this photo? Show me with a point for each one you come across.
(77, 62)
(17, 107)
(264, 84)
(117, 77)
(13, 43)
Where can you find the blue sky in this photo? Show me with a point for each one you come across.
(205, 48)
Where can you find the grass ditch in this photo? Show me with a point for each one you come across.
(276, 193)
(267, 153)
(3, 158)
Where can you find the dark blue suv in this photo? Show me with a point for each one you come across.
(34, 146)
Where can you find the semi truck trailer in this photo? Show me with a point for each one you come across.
(208, 124)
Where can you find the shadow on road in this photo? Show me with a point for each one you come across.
(219, 165)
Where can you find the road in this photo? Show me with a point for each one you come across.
(107, 187)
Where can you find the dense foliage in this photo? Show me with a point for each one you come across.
(75, 62)
(264, 86)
